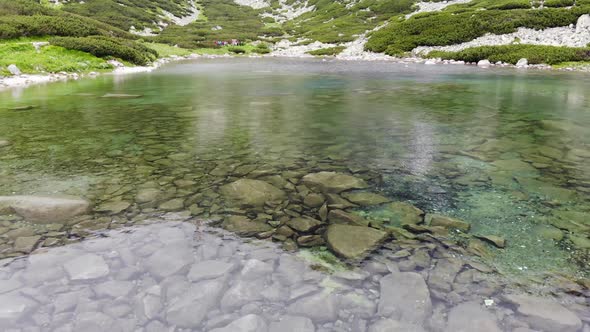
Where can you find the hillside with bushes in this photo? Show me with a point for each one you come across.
(140, 31)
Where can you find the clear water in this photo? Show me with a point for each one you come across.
(507, 151)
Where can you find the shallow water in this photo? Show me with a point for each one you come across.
(505, 150)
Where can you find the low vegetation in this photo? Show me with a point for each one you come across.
(535, 54)
(330, 51)
(100, 46)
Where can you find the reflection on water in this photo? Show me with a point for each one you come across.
(506, 151)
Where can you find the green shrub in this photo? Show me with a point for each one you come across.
(558, 3)
(261, 49)
(108, 47)
(330, 51)
(535, 54)
(236, 50)
(447, 28)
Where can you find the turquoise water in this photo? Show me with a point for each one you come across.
(508, 151)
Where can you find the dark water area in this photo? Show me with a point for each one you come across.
(507, 151)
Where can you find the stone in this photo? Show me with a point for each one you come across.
(93, 322)
(209, 269)
(255, 269)
(120, 96)
(465, 316)
(248, 192)
(169, 260)
(332, 182)
(114, 288)
(147, 195)
(353, 242)
(44, 209)
(405, 296)
(323, 212)
(172, 205)
(26, 244)
(191, 307)
(544, 314)
(583, 24)
(241, 293)
(442, 276)
(365, 198)
(4, 143)
(447, 222)
(310, 241)
(345, 218)
(14, 70)
(478, 248)
(320, 307)
(304, 224)
(484, 63)
(13, 307)
(495, 240)
(87, 267)
(292, 324)
(314, 200)
(248, 323)
(391, 325)
(402, 213)
(113, 207)
(243, 226)
(522, 63)
(548, 232)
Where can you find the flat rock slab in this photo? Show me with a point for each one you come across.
(466, 316)
(332, 182)
(250, 192)
(545, 314)
(44, 209)
(245, 227)
(353, 242)
(405, 296)
(86, 267)
(433, 219)
(365, 198)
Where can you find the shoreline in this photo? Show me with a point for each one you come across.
(27, 80)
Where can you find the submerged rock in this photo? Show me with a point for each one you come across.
(113, 207)
(365, 198)
(332, 182)
(447, 222)
(245, 227)
(466, 316)
(120, 95)
(250, 192)
(4, 143)
(320, 307)
(292, 324)
(345, 218)
(353, 242)
(304, 224)
(44, 209)
(495, 240)
(544, 314)
(405, 296)
(87, 267)
(248, 323)
(402, 213)
(22, 108)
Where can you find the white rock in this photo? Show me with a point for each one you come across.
(405, 295)
(292, 324)
(87, 267)
(13, 69)
(583, 24)
(522, 63)
(248, 323)
(321, 307)
(254, 269)
(430, 62)
(483, 63)
(210, 269)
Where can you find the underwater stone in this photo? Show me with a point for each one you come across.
(44, 209)
(120, 95)
(4, 143)
(448, 222)
(495, 240)
(304, 224)
(210, 269)
(353, 242)
(332, 182)
(365, 198)
(86, 267)
(345, 218)
(248, 323)
(252, 192)
(544, 314)
(320, 307)
(243, 226)
(405, 295)
(114, 207)
(314, 200)
(26, 244)
(292, 324)
(465, 316)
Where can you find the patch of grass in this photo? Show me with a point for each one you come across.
(535, 54)
(49, 59)
(558, 3)
(165, 50)
(330, 51)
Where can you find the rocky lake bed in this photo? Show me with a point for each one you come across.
(288, 209)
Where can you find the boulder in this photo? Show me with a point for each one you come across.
(353, 242)
(248, 192)
(447, 222)
(484, 63)
(583, 24)
(332, 182)
(365, 198)
(544, 314)
(44, 209)
(465, 316)
(314, 200)
(345, 218)
(522, 63)
(402, 213)
(14, 70)
(405, 296)
(243, 226)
